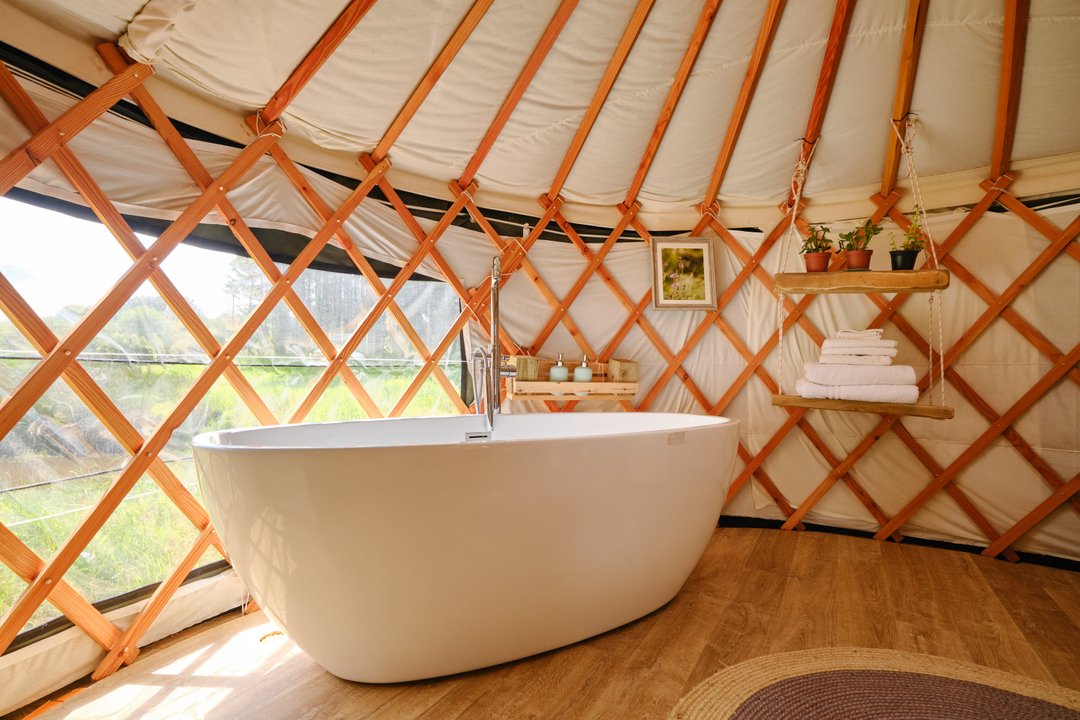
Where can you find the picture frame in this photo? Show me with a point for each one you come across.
(683, 276)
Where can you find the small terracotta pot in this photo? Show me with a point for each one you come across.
(817, 261)
(858, 259)
(903, 259)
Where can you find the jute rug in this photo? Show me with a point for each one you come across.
(866, 684)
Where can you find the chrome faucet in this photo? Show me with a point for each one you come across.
(490, 365)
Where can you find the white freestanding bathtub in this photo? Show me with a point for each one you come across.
(394, 550)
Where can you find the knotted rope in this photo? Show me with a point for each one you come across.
(798, 181)
(935, 302)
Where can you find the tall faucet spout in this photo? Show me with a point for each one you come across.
(494, 404)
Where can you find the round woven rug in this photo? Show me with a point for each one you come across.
(866, 684)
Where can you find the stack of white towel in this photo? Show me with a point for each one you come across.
(857, 365)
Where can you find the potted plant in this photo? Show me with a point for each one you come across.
(817, 249)
(904, 255)
(855, 244)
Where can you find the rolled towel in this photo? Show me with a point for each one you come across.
(855, 360)
(871, 334)
(883, 351)
(858, 343)
(825, 374)
(908, 394)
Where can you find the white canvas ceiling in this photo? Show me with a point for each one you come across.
(235, 55)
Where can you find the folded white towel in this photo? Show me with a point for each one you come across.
(859, 374)
(883, 351)
(871, 334)
(855, 360)
(858, 343)
(866, 393)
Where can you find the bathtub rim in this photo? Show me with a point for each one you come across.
(204, 441)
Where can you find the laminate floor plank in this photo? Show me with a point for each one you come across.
(755, 592)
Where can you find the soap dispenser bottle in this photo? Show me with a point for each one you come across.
(558, 372)
(583, 373)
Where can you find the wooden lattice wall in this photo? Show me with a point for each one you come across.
(48, 140)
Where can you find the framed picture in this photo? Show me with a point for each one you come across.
(683, 274)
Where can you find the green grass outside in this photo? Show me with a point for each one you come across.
(147, 536)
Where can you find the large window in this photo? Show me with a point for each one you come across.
(60, 458)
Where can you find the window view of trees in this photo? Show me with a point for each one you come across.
(59, 459)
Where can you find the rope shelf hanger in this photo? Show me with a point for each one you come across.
(932, 280)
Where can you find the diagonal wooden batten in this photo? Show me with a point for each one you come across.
(511, 257)
(910, 50)
(746, 95)
(525, 77)
(239, 228)
(381, 304)
(107, 213)
(1033, 518)
(86, 389)
(622, 51)
(411, 224)
(636, 315)
(678, 84)
(959, 496)
(533, 274)
(438, 67)
(1044, 227)
(313, 61)
(323, 212)
(38, 380)
(125, 650)
(976, 448)
(39, 590)
(1012, 70)
(957, 382)
(766, 482)
(691, 342)
(516, 257)
(23, 159)
(628, 213)
(26, 564)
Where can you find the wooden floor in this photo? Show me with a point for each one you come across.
(755, 592)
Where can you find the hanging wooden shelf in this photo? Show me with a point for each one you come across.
(934, 412)
(862, 281)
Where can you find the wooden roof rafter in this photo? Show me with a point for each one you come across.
(435, 70)
(349, 18)
(611, 73)
(1012, 70)
(517, 91)
(678, 84)
(911, 49)
(830, 64)
(769, 23)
